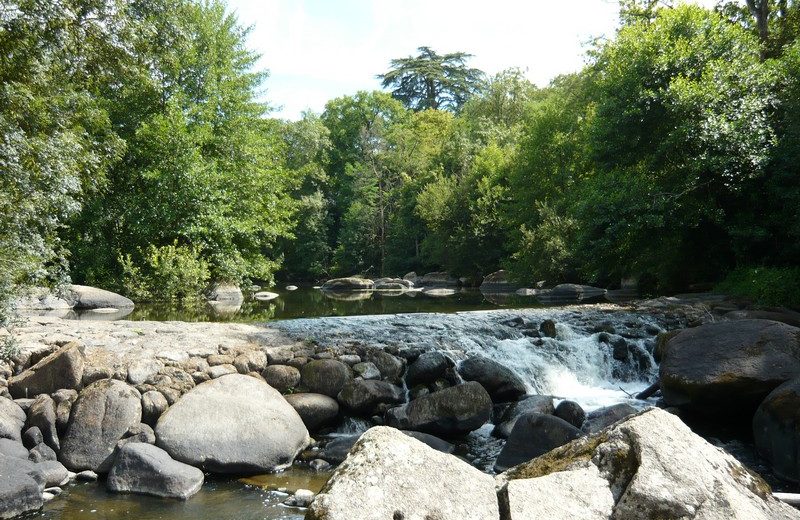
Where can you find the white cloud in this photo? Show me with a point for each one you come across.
(320, 49)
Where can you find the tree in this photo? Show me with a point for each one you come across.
(432, 81)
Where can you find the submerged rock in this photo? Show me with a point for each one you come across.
(148, 470)
(388, 475)
(649, 466)
(233, 424)
(61, 369)
(728, 367)
(453, 411)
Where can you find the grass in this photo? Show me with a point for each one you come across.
(769, 286)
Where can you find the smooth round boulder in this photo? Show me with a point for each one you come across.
(101, 416)
(390, 367)
(86, 297)
(153, 405)
(534, 434)
(501, 382)
(233, 424)
(365, 397)
(12, 419)
(347, 284)
(776, 429)
(728, 368)
(145, 469)
(533, 403)
(316, 410)
(325, 376)
(453, 411)
(281, 377)
(427, 368)
(571, 412)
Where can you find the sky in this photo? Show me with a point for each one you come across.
(316, 50)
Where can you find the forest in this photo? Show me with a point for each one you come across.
(138, 154)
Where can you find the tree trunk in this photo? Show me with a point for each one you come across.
(760, 11)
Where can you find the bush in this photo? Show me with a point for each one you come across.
(169, 273)
(765, 285)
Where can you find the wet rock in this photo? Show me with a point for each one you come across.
(205, 427)
(650, 465)
(319, 465)
(153, 405)
(102, 414)
(534, 434)
(542, 404)
(301, 498)
(364, 397)
(390, 367)
(605, 417)
(12, 419)
(350, 359)
(400, 477)
(571, 412)
(62, 369)
(501, 382)
(776, 429)
(42, 415)
(148, 470)
(577, 293)
(548, 328)
(31, 437)
(347, 284)
(437, 279)
(452, 411)
(316, 410)
(21, 487)
(281, 377)
(85, 297)
(428, 367)
(367, 370)
(729, 367)
(326, 376)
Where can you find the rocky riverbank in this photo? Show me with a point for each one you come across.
(154, 407)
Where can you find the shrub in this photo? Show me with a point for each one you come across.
(765, 285)
(168, 273)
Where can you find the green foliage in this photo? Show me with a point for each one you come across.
(169, 273)
(432, 81)
(765, 285)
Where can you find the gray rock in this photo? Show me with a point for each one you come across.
(61, 369)
(31, 437)
(604, 417)
(221, 370)
(141, 370)
(498, 281)
(347, 284)
(234, 424)
(534, 434)
(148, 470)
(316, 410)
(427, 368)
(350, 359)
(728, 367)
(452, 411)
(390, 367)
(21, 487)
(367, 370)
(364, 397)
(436, 279)
(92, 374)
(650, 465)
(42, 415)
(153, 405)
(85, 297)
(12, 419)
(281, 377)
(226, 293)
(400, 477)
(64, 399)
(12, 448)
(533, 403)
(501, 382)
(53, 472)
(41, 452)
(86, 476)
(325, 376)
(571, 412)
(776, 429)
(102, 414)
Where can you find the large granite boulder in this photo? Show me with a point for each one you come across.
(351, 283)
(325, 376)
(650, 465)
(12, 419)
(363, 397)
(534, 434)
(776, 429)
(728, 367)
(316, 410)
(453, 411)
(85, 297)
(427, 368)
(21, 486)
(225, 293)
(389, 475)
(101, 416)
(498, 282)
(148, 470)
(61, 369)
(281, 377)
(42, 415)
(501, 382)
(232, 424)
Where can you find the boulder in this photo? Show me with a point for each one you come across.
(390, 367)
(786, 316)
(102, 414)
(453, 411)
(233, 424)
(534, 434)
(601, 418)
(437, 279)
(141, 370)
(365, 397)
(281, 377)
(153, 405)
(776, 429)
(367, 370)
(61, 369)
(85, 297)
(390, 475)
(12, 419)
(53, 472)
(325, 376)
(316, 410)
(428, 367)
(728, 367)
(352, 283)
(42, 415)
(11, 448)
(225, 293)
(266, 296)
(533, 403)
(571, 412)
(569, 292)
(650, 465)
(498, 281)
(148, 470)
(501, 382)
(64, 400)
(21, 487)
